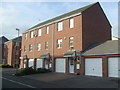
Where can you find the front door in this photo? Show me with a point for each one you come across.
(71, 65)
(46, 63)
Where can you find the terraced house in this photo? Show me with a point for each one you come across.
(57, 43)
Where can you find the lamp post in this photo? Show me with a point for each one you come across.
(16, 59)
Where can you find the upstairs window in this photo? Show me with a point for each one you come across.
(31, 34)
(17, 44)
(59, 43)
(30, 48)
(38, 46)
(24, 48)
(71, 41)
(47, 30)
(60, 26)
(71, 23)
(46, 45)
(39, 32)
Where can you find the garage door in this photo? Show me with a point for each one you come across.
(113, 67)
(31, 63)
(93, 66)
(39, 63)
(60, 65)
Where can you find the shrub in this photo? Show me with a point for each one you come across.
(5, 66)
(30, 70)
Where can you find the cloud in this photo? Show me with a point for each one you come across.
(24, 15)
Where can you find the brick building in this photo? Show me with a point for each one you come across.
(13, 51)
(57, 43)
(3, 39)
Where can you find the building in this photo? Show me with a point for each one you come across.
(57, 43)
(13, 51)
(3, 39)
(102, 59)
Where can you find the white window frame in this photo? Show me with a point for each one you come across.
(59, 43)
(60, 26)
(71, 41)
(47, 30)
(40, 32)
(31, 34)
(30, 48)
(71, 23)
(39, 46)
(46, 45)
(26, 36)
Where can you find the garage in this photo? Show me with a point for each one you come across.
(31, 63)
(113, 68)
(39, 63)
(93, 66)
(60, 65)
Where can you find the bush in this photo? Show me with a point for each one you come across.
(30, 70)
(5, 66)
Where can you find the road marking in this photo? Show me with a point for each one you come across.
(18, 82)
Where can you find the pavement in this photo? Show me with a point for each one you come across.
(56, 80)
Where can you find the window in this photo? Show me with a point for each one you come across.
(24, 48)
(59, 43)
(38, 46)
(17, 44)
(71, 43)
(60, 26)
(31, 34)
(72, 23)
(30, 48)
(17, 53)
(26, 36)
(47, 30)
(46, 45)
(39, 32)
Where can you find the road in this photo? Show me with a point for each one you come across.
(11, 81)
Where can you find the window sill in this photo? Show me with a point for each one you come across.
(59, 48)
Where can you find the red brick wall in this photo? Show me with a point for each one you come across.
(95, 26)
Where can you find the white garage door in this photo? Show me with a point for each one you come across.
(31, 63)
(61, 65)
(93, 66)
(39, 63)
(113, 67)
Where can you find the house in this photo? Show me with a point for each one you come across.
(13, 51)
(3, 39)
(57, 43)
(102, 59)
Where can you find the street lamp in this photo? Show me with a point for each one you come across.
(16, 59)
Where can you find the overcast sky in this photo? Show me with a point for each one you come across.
(24, 15)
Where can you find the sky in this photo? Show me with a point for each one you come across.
(24, 15)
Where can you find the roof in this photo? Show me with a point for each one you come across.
(63, 16)
(107, 47)
(18, 39)
(3, 39)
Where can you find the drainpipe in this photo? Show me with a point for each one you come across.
(34, 44)
(53, 48)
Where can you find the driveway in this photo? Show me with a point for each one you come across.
(61, 80)
(75, 81)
